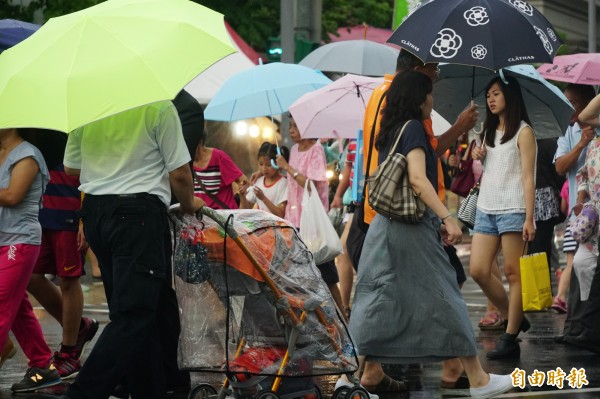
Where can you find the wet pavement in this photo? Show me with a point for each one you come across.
(538, 352)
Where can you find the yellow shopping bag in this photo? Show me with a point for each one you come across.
(535, 282)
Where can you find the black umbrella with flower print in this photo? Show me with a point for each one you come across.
(491, 34)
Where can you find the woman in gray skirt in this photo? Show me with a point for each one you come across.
(407, 306)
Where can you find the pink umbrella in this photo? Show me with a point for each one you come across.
(364, 32)
(335, 110)
(581, 68)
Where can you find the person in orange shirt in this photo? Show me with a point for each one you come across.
(373, 374)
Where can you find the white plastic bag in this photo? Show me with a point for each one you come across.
(316, 229)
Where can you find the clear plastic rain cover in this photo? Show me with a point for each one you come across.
(248, 301)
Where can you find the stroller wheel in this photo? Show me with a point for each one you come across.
(358, 393)
(341, 392)
(315, 394)
(266, 394)
(202, 391)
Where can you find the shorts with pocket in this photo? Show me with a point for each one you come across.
(495, 225)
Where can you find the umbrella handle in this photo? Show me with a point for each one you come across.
(273, 164)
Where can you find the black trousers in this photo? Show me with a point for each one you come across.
(542, 241)
(130, 236)
(575, 309)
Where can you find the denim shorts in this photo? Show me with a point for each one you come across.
(496, 225)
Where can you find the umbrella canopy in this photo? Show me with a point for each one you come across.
(581, 68)
(547, 107)
(359, 57)
(263, 90)
(486, 33)
(335, 110)
(13, 32)
(105, 59)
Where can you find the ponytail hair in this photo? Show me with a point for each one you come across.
(270, 150)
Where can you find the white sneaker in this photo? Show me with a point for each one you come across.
(342, 382)
(498, 384)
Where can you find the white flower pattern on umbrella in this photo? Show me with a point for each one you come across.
(446, 44)
(476, 16)
(551, 34)
(522, 6)
(544, 39)
(479, 52)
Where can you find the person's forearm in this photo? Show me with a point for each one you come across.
(590, 114)
(529, 194)
(275, 210)
(581, 197)
(447, 139)
(344, 182)
(567, 161)
(182, 185)
(244, 203)
(429, 196)
(300, 179)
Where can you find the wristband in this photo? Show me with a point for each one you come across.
(446, 217)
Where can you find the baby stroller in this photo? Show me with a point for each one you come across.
(254, 307)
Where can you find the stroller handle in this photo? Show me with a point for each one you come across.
(211, 213)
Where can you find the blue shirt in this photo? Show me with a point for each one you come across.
(566, 144)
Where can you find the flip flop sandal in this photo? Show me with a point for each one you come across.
(387, 384)
(491, 321)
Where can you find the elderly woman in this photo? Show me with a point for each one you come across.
(23, 177)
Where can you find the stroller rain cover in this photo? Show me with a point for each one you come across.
(235, 317)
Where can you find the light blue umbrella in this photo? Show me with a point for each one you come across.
(547, 107)
(263, 90)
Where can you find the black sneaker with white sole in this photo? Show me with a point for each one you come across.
(36, 378)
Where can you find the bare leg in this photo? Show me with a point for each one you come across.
(565, 278)
(337, 297)
(369, 373)
(491, 310)
(64, 304)
(483, 252)
(47, 294)
(72, 308)
(345, 271)
(477, 376)
(451, 370)
(512, 248)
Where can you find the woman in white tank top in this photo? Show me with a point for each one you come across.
(505, 205)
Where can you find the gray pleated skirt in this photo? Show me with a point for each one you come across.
(407, 306)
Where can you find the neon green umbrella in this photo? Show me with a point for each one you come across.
(105, 59)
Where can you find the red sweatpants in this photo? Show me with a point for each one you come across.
(16, 313)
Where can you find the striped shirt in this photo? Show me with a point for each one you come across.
(61, 201)
(217, 177)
